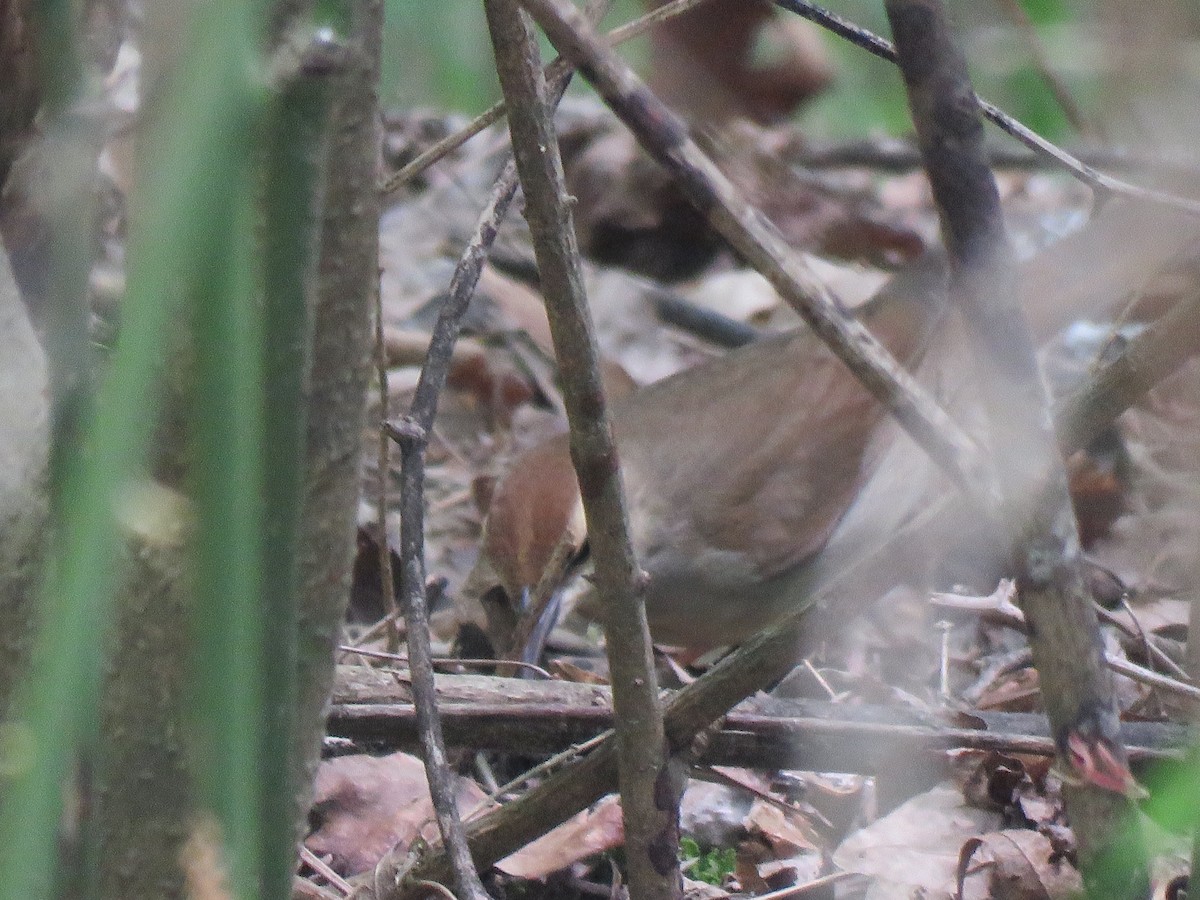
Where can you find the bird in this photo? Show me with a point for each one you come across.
(737, 473)
(753, 479)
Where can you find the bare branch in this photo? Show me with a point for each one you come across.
(649, 787)
(1039, 525)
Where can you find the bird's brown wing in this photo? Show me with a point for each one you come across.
(757, 456)
(768, 446)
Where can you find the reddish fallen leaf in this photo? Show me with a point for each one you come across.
(365, 805)
(487, 375)
(1095, 761)
(592, 831)
(752, 853)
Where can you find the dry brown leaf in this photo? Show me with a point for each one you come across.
(751, 853)
(569, 671)
(915, 847)
(365, 805)
(1021, 865)
(1154, 615)
(592, 831)
(787, 831)
(487, 375)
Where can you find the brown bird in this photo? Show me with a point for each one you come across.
(737, 474)
(754, 478)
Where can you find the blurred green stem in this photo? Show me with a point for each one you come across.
(180, 223)
(295, 159)
(227, 476)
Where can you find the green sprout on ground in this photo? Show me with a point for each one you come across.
(711, 867)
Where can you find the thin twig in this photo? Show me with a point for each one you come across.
(575, 751)
(384, 624)
(892, 154)
(441, 785)
(810, 735)
(820, 679)
(442, 660)
(412, 433)
(383, 465)
(1154, 652)
(1148, 358)
(650, 785)
(303, 888)
(715, 775)
(1139, 632)
(1010, 615)
(322, 868)
(1153, 679)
